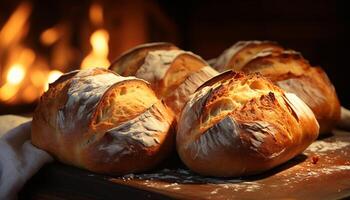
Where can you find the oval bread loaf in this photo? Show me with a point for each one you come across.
(290, 71)
(103, 122)
(237, 124)
(130, 61)
(240, 53)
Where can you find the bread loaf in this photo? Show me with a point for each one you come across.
(237, 124)
(103, 122)
(173, 74)
(129, 62)
(178, 97)
(240, 53)
(289, 70)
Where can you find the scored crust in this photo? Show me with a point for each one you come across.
(180, 95)
(242, 52)
(129, 62)
(277, 65)
(82, 109)
(166, 70)
(242, 125)
(290, 71)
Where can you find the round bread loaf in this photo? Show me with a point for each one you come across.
(103, 122)
(238, 124)
(290, 71)
(130, 61)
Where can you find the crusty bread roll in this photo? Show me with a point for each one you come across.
(174, 74)
(240, 53)
(103, 122)
(178, 97)
(238, 124)
(290, 71)
(129, 62)
(166, 70)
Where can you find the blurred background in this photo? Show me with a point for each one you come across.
(41, 39)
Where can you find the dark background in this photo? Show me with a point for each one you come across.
(318, 29)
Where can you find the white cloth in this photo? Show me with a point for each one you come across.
(19, 160)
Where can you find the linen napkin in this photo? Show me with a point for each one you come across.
(19, 159)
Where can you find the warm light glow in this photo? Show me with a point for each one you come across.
(17, 60)
(15, 74)
(29, 94)
(52, 77)
(96, 14)
(99, 41)
(8, 91)
(49, 36)
(13, 28)
(98, 56)
(38, 77)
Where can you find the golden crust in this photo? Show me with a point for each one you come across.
(167, 69)
(290, 71)
(181, 68)
(242, 52)
(277, 65)
(178, 97)
(242, 124)
(136, 157)
(129, 62)
(85, 114)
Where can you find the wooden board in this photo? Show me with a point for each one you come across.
(321, 172)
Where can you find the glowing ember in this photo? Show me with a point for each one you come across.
(16, 74)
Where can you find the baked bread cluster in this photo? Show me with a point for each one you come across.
(290, 71)
(157, 98)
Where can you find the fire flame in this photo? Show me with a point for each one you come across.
(14, 77)
(18, 60)
(98, 57)
(24, 74)
(13, 29)
(16, 74)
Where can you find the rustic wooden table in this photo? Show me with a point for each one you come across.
(321, 172)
